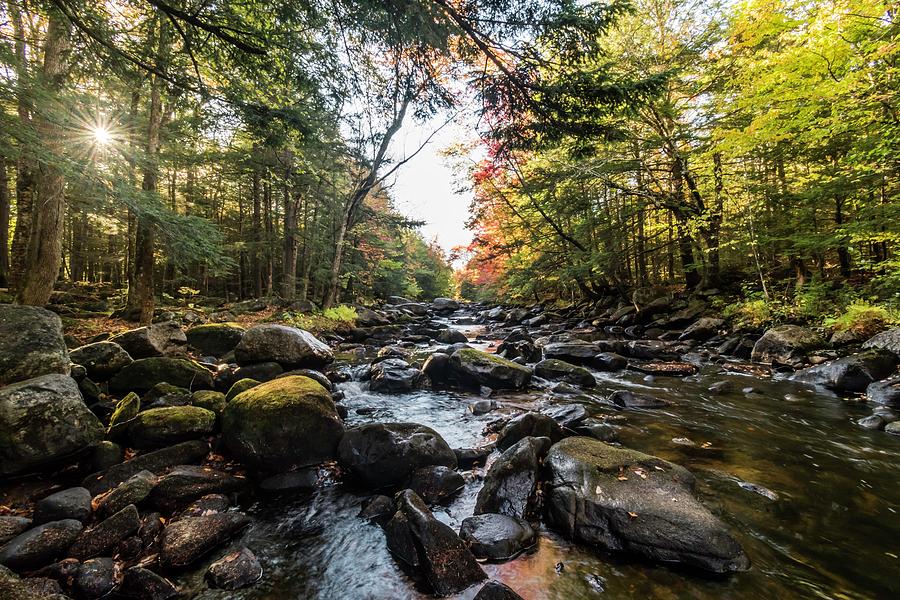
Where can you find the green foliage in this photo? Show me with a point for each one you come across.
(337, 318)
(863, 317)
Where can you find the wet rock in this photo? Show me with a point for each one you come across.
(629, 399)
(893, 428)
(11, 526)
(393, 375)
(215, 339)
(885, 392)
(39, 546)
(159, 339)
(667, 369)
(452, 336)
(511, 482)
(101, 360)
(235, 571)
(424, 543)
(786, 345)
(142, 584)
(141, 375)
(567, 415)
(721, 387)
(530, 424)
(186, 483)
(156, 462)
(186, 540)
(576, 352)
(72, 503)
(211, 400)
(31, 343)
(482, 407)
(288, 346)
(162, 395)
(437, 367)
(209, 504)
(886, 340)
(625, 501)
(494, 590)
(474, 367)
(445, 305)
(599, 430)
(468, 458)
(131, 491)
(42, 421)
(164, 426)
(435, 483)
(377, 508)
(282, 424)
(95, 578)
(703, 329)
(873, 422)
(558, 370)
(520, 349)
(497, 537)
(852, 373)
(103, 537)
(609, 361)
(261, 372)
(386, 454)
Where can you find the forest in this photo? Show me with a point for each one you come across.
(235, 364)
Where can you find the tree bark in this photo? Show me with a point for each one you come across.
(47, 219)
(289, 259)
(4, 224)
(24, 163)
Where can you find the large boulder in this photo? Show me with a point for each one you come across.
(423, 543)
(497, 537)
(852, 373)
(39, 546)
(159, 339)
(394, 375)
(702, 329)
(386, 454)
(282, 424)
(141, 375)
(288, 346)
(624, 501)
(559, 370)
(786, 345)
(215, 339)
(530, 424)
(576, 351)
(42, 421)
(474, 367)
(31, 343)
(511, 482)
(170, 425)
(101, 360)
(188, 539)
(887, 340)
(452, 336)
(495, 590)
(444, 305)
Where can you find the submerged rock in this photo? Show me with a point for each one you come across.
(282, 424)
(288, 346)
(628, 399)
(497, 537)
(386, 454)
(31, 343)
(625, 501)
(474, 367)
(42, 421)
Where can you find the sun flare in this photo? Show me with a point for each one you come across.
(102, 135)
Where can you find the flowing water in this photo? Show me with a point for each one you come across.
(812, 497)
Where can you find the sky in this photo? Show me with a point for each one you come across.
(427, 188)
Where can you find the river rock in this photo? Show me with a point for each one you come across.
(235, 571)
(386, 454)
(103, 537)
(71, 503)
(437, 367)
(131, 491)
(102, 360)
(567, 415)
(452, 336)
(393, 375)
(186, 540)
(893, 428)
(156, 462)
(444, 305)
(317, 376)
(158, 339)
(240, 386)
(11, 526)
(786, 344)
(185, 483)
(474, 367)
(435, 483)
(885, 392)
(625, 501)
(215, 339)
(703, 329)
(575, 351)
(163, 395)
(31, 344)
(494, 590)
(95, 578)
(42, 421)
(415, 537)
(106, 454)
(288, 346)
(211, 400)
(853, 373)
(497, 537)
(530, 424)
(559, 370)
(873, 422)
(629, 399)
(141, 375)
(143, 584)
(165, 426)
(887, 340)
(282, 424)
(39, 546)
(511, 482)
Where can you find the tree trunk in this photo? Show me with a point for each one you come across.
(24, 163)
(47, 219)
(289, 260)
(4, 224)
(842, 251)
(256, 243)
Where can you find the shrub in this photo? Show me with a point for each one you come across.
(862, 317)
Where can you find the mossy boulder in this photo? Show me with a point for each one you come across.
(242, 385)
(786, 345)
(282, 424)
(42, 421)
(559, 370)
(170, 425)
(288, 346)
(141, 375)
(101, 360)
(473, 368)
(126, 411)
(215, 339)
(31, 343)
(165, 394)
(210, 400)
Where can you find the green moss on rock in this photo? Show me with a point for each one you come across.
(210, 400)
(170, 425)
(141, 375)
(239, 386)
(126, 410)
